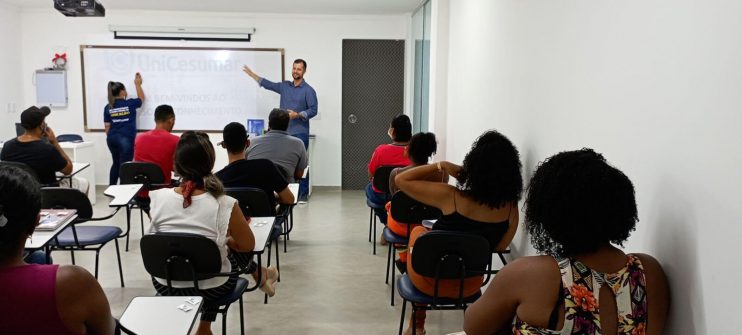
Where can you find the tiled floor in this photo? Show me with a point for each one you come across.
(330, 281)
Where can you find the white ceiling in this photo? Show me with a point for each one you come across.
(338, 7)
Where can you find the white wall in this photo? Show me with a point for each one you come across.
(10, 64)
(317, 39)
(654, 86)
(438, 96)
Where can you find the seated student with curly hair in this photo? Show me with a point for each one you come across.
(41, 299)
(578, 209)
(485, 202)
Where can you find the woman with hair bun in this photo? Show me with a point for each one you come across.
(120, 121)
(419, 150)
(422, 146)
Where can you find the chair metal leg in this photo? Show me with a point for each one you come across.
(242, 319)
(374, 232)
(97, 254)
(141, 219)
(128, 225)
(285, 238)
(394, 274)
(72, 254)
(388, 261)
(224, 321)
(278, 263)
(118, 256)
(370, 218)
(289, 223)
(291, 226)
(270, 245)
(291, 216)
(502, 258)
(401, 318)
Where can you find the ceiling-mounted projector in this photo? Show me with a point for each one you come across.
(80, 7)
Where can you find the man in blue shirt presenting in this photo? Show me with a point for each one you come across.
(300, 100)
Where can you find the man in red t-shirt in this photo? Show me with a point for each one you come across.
(157, 146)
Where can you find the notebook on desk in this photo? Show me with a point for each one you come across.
(51, 219)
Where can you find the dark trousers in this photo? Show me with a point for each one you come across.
(122, 151)
(304, 182)
(379, 200)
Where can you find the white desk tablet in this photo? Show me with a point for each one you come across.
(161, 315)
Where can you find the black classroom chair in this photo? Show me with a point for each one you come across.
(84, 238)
(381, 183)
(148, 174)
(191, 257)
(441, 255)
(412, 212)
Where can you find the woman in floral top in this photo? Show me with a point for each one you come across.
(578, 209)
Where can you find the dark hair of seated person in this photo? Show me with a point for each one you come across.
(402, 128)
(163, 113)
(235, 137)
(194, 160)
(490, 174)
(278, 119)
(20, 203)
(570, 213)
(421, 147)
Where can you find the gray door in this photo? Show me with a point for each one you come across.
(373, 93)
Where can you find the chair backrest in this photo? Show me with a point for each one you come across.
(381, 177)
(252, 201)
(407, 210)
(69, 138)
(22, 166)
(141, 173)
(450, 255)
(67, 198)
(180, 256)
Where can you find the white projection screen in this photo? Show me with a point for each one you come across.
(205, 86)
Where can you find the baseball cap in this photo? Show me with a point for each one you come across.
(33, 116)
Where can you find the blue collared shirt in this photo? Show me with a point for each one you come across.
(301, 99)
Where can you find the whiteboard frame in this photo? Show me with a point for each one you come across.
(82, 68)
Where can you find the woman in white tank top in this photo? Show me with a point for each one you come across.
(199, 206)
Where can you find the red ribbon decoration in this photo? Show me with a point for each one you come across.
(58, 56)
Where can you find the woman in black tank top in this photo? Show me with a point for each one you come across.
(484, 202)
